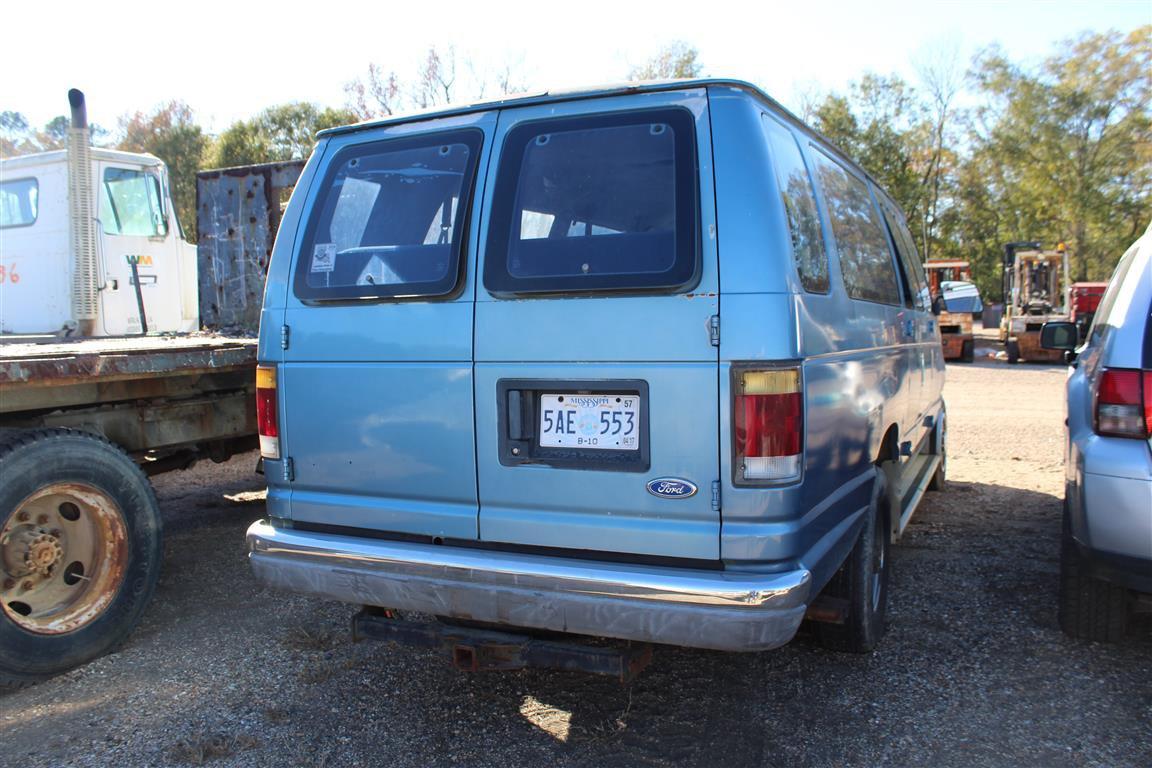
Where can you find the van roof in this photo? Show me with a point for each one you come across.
(558, 95)
(98, 153)
(599, 91)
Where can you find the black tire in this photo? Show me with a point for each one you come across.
(31, 461)
(939, 479)
(1090, 608)
(863, 580)
(1013, 349)
(968, 351)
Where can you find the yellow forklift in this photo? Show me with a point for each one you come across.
(1035, 292)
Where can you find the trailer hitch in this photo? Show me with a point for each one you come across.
(476, 649)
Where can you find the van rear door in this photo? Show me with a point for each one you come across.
(377, 373)
(596, 329)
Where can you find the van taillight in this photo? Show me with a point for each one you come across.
(1124, 403)
(767, 425)
(266, 411)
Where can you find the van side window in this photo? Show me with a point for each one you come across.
(19, 202)
(388, 219)
(916, 285)
(865, 259)
(800, 206)
(596, 203)
(131, 204)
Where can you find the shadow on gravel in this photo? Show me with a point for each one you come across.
(973, 671)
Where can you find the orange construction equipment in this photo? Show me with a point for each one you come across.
(946, 276)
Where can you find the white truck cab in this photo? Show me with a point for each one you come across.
(73, 225)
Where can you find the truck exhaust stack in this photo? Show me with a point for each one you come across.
(82, 230)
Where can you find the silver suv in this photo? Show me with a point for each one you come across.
(1106, 556)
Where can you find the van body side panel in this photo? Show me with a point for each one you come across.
(660, 342)
(768, 316)
(379, 391)
(756, 246)
(279, 501)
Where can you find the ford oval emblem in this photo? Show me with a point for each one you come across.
(671, 488)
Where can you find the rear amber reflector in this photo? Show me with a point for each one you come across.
(266, 421)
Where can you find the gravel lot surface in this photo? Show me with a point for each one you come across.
(974, 670)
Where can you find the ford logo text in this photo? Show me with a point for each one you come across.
(671, 488)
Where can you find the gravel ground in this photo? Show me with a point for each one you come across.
(974, 670)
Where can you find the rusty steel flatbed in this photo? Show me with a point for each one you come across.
(64, 362)
(147, 394)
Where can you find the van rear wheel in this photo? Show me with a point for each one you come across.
(863, 580)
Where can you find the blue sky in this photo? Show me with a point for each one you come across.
(228, 60)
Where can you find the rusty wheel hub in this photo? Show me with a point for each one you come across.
(43, 554)
(63, 550)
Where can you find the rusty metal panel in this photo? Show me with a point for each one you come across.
(238, 213)
(139, 427)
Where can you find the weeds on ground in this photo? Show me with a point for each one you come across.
(307, 638)
(205, 748)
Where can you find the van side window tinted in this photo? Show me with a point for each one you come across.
(916, 285)
(19, 202)
(800, 206)
(388, 219)
(596, 203)
(865, 259)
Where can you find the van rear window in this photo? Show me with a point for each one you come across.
(388, 221)
(596, 203)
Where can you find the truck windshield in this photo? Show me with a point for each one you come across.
(130, 204)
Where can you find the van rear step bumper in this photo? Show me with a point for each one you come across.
(721, 610)
(474, 649)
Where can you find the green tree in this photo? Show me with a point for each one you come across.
(884, 127)
(283, 132)
(1070, 144)
(677, 59)
(17, 137)
(171, 133)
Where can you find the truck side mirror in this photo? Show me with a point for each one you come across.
(1059, 335)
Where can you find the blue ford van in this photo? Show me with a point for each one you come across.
(653, 362)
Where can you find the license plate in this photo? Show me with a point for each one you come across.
(599, 422)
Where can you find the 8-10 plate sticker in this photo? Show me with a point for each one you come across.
(324, 257)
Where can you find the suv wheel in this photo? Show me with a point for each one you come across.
(1090, 608)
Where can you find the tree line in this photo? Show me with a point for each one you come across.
(977, 154)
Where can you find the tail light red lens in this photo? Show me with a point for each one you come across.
(1124, 403)
(266, 417)
(767, 425)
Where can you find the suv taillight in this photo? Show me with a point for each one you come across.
(266, 411)
(767, 425)
(1124, 403)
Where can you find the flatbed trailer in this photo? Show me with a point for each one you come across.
(82, 425)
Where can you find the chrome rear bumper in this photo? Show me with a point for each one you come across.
(723, 610)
